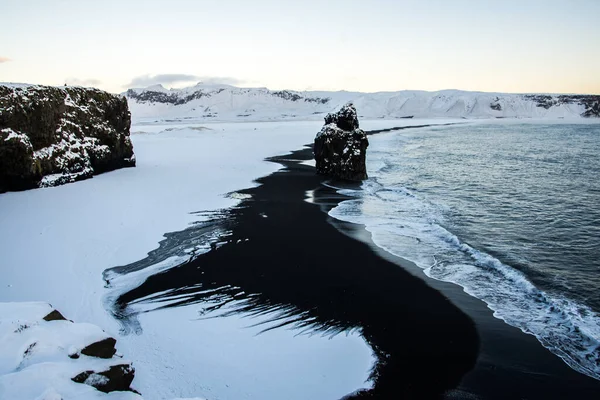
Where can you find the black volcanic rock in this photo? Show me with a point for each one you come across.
(54, 135)
(54, 315)
(104, 348)
(345, 119)
(115, 378)
(340, 147)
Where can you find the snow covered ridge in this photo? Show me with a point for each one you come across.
(158, 94)
(46, 357)
(54, 135)
(228, 103)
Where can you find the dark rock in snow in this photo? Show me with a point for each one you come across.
(104, 348)
(495, 105)
(345, 119)
(590, 102)
(55, 135)
(340, 147)
(116, 378)
(55, 315)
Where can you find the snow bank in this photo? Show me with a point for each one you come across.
(36, 358)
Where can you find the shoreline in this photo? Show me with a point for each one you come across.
(511, 363)
(531, 371)
(495, 360)
(284, 260)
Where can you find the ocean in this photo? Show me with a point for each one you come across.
(508, 211)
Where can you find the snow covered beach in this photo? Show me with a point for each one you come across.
(176, 353)
(74, 232)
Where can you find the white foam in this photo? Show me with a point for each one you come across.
(407, 226)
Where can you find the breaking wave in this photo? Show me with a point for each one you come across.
(400, 208)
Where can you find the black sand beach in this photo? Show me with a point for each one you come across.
(285, 257)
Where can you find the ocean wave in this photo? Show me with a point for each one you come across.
(406, 225)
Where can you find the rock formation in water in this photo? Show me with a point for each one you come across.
(340, 147)
(53, 135)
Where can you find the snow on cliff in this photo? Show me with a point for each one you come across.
(227, 103)
(55, 135)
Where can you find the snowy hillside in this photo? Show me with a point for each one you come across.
(227, 103)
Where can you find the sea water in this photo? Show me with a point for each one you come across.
(508, 211)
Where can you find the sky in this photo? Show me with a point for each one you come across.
(521, 46)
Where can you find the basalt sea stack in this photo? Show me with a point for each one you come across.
(340, 147)
(54, 135)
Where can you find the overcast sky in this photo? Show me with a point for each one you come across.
(376, 45)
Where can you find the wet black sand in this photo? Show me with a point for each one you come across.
(285, 257)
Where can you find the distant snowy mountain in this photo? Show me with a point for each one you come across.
(227, 103)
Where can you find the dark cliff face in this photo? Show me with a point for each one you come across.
(177, 99)
(51, 136)
(293, 96)
(591, 103)
(340, 148)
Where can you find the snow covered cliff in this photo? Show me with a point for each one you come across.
(227, 103)
(54, 135)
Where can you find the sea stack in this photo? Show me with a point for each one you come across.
(340, 147)
(55, 135)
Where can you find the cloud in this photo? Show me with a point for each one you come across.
(224, 80)
(82, 82)
(170, 79)
(4, 59)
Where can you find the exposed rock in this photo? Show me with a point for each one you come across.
(55, 315)
(345, 119)
(590, 103)
(51, 136)
(43, 356)
(104, 348)
(340, 147)
(116, 378)
(158, 94)
(295, 96)
(495, 105)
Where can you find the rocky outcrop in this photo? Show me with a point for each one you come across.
(54, 315)
(53, 135)
(41, 352)
(158, 94)
(295, 96)
(589, 103)
(115, 378)
(340, 147)
(104, 348)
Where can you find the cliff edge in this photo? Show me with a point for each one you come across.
(50, 136)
